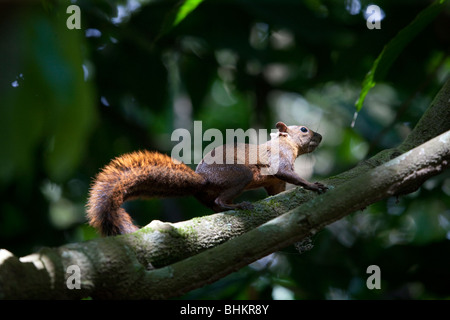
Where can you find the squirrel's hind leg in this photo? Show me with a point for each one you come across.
(228, 185)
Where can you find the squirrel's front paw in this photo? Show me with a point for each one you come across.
(317, 187)
(320, 188)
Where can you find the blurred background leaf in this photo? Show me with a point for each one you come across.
(395, 47)
(48, 102)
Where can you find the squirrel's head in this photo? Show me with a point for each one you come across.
(306, 139)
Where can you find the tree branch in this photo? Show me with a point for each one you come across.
(123, 266)
(384, 181)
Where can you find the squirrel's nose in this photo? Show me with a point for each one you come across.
(318, 136)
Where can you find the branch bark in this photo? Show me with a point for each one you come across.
(163, 260)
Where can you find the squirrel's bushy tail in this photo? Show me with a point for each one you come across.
(135, 175)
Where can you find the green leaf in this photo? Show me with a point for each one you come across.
(395, 47)
(178, 14)
(187, 7)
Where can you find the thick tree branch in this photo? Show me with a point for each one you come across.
(386, 180)
(124, 266)
(435, 120)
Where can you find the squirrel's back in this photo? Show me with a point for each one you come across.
(135, 175)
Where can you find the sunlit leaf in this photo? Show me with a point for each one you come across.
(187, 7)
(178, 14)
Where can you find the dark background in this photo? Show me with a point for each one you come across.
(71, 100)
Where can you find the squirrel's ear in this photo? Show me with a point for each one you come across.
(281, 127)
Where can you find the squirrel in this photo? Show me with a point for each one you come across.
(214, 183)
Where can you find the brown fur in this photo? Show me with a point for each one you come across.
(135, 175)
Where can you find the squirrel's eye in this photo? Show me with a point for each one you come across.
(303, 129)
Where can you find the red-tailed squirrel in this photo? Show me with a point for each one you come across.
(214, 183)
